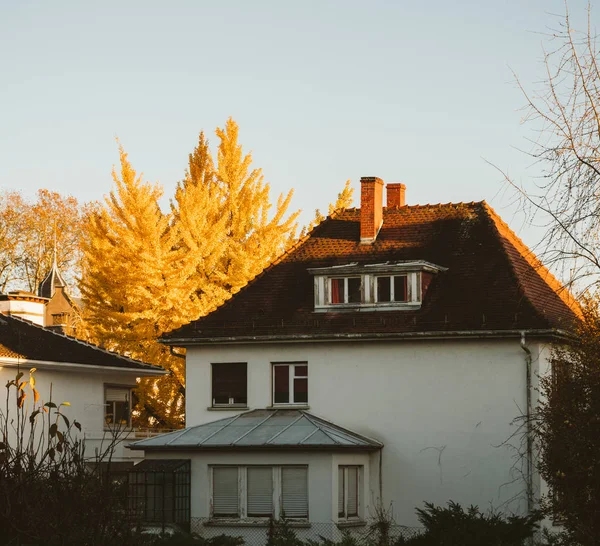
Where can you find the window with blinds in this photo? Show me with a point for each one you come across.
(348, 491)
(225, 492)
(260, 492)
(294, 492)
(117, 406)
(259, 495)
(229, 384)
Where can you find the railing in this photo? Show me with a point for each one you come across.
(97, 441)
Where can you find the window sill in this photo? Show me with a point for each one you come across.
(289, 406)
(343, 523)
(218, 522)
(364, 307)
(227, 408)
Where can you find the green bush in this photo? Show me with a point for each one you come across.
(455, 526)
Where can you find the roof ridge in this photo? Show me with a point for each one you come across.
(505, 232)
(81, 342)
(311, 416)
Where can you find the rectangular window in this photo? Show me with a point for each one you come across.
(345, 290)
(230, 384)
(348, 491)
(117, 406)
(392, 288)
(260, 492)
(225, 492)
(294, 492)
(290, 383)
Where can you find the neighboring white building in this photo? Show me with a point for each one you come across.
(98, 384)
(417, 334)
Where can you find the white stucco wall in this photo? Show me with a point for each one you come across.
(84, 390)
(443, 409)
(29, 310)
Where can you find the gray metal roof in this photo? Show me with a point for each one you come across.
(262, 429)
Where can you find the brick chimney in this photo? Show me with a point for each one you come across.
(371, 208)
(395, 195)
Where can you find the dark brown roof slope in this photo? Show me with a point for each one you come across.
(20, 338)
(493, 282)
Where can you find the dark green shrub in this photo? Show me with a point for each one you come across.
(455, 526)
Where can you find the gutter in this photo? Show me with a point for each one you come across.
(311, 338)
(529, 431)
(54, 365)
(262, 447)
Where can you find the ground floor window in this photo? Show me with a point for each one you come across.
(259, 491)
(159, 491)
(348, 491)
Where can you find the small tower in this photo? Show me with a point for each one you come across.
(60, 309)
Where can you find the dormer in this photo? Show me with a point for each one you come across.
(389, 286)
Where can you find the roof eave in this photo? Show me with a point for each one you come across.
(293, 447)
(552, 333)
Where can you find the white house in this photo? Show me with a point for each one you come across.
(382, 360)
(98, 384)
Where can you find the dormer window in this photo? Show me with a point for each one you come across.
(344, 290)
(372, 287)
(391, 289)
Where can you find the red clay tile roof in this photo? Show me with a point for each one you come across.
(493, 282)
(20, 338)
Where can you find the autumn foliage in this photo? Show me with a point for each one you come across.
(142, 271)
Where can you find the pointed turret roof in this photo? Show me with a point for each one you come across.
(52, 281)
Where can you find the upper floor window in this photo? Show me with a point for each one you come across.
(344, 290)
(392, 288)
(290, 383)
(117, 406)
(229, 384)
(383, 286)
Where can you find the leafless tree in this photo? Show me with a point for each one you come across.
(565, 113)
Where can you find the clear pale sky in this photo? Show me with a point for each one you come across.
(413, 92)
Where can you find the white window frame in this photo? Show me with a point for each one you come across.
(129, 396)
(243, 492)
(409, 288)
(345, 279)
(359, 474)
(291, 377)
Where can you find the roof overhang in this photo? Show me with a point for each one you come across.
(244, 449)
(11, 362)
(382, 267)
(549, 334)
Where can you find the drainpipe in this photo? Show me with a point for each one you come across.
(381, 476)
(529, 477)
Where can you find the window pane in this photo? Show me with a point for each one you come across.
(400, 289)
(352, 509)
(354, 290)
(225, 492)
(300, 391)
(300, 371)
(383, 289)
(229, 383)
(337, 291)
(341, 511)
(282, 384)
(294, 492)
(260, 491)
(121, 415)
